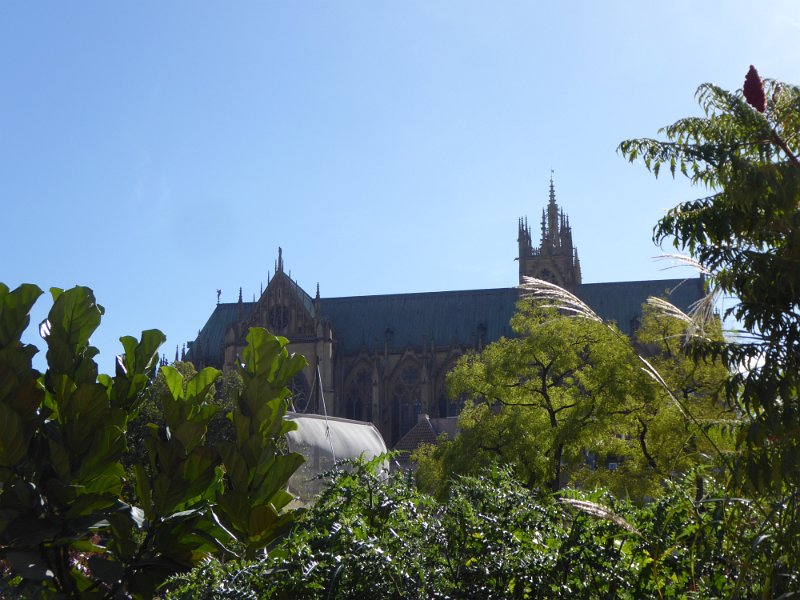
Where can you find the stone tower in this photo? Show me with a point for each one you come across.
(555, 259)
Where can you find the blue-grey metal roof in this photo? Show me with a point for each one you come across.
(622, 301)
(446, 318)
(403, 320)
(209, 347)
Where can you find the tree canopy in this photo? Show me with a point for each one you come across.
(746, 235)
(569, 395)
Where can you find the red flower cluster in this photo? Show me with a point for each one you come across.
(754, 90)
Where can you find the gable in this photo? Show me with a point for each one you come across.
(284, 308)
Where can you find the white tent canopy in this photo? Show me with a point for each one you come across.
(323, 441)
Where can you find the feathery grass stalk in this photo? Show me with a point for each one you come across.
(598, 510)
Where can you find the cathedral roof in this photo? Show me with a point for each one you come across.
(622, 301)
(445, 318)
(210, 342)
(403, 320)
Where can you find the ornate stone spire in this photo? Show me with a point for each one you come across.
(555, 259)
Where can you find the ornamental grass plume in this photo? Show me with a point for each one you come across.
(754, 90)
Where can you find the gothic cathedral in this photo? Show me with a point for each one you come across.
(385, 358)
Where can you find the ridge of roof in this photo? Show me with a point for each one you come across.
(368, 297)
(458, 317)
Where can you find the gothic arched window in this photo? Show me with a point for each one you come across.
(358, 394)
(448, 407)
(406, 398)
(278, 318)
(300, 392)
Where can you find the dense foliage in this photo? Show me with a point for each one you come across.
(746, 236)
(73, 523)
(492, 538)
(568, 397)
(220, 427)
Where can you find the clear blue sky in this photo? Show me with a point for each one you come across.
(158, 151)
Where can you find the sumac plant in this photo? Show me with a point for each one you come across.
(69, 525)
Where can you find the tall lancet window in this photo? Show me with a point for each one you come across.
(406, 398)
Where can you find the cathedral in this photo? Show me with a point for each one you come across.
(384, 358)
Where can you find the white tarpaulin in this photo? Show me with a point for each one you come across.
(324, 441)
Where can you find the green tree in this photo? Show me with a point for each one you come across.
(564, 386)
(684, 424)
(570, 395)
(746, 234)
(677, 436)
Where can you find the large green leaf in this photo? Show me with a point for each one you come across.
(276, 478)
(236, 468)
(135, 368)
(199, 385)
(261, 353)
(234, 509)
(14, 311)
(13, 446)
(143, 490)
(174, 380)
(26, 530)
(190, 434)
(109, 572)
(29, 565)
(141, 356)
(75, 315)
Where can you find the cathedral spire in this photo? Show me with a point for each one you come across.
(279, 266)
(544, 230)
(553, 215)
(555, 259)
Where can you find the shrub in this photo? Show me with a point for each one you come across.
(69, 526)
